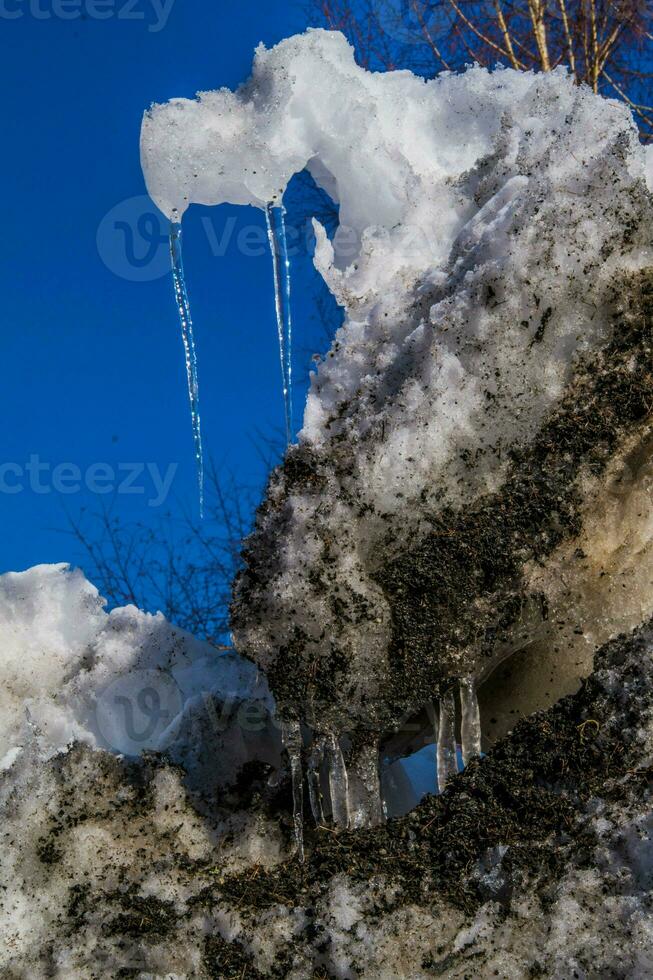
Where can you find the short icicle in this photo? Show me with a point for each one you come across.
(315, 760)
(291, 735)
(275, 216)
(447, 764)
(188, 338)
(470, 723)
(338, 782)
(365, 801)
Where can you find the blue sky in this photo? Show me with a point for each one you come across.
(93, 374)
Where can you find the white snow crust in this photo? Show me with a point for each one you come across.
(487, 220)
(470, 206)
(123, 681)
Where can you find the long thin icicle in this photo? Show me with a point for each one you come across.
(276, 223)
(291, 735)
(470, 724)
(188, 338)
(447, 764)
(338, 782)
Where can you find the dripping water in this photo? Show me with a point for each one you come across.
(291, 735)
(275, 216)
(188, 338)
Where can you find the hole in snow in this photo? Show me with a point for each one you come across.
(315, 309)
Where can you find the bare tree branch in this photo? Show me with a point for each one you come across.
(588, 36)
(181, 568)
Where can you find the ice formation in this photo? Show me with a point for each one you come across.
(484, 402)
(471, 489)
(536, 862)
(190, 352)
(275, 217)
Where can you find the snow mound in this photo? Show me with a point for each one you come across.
(490, 374)
(393, 151)
(536, 863)
(123, 681)
(503, 195)
(388, 148)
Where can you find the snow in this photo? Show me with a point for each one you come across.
(445, 188)
(488, 221)
(123, 680)
(388, 147)
(85, 837)
(490, 217)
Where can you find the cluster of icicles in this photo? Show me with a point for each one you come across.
(354, 788)
(276, 225)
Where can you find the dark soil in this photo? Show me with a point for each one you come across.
(139, 916)
(462, 584)
(520, 812)
(463, 581)
(526, 794)
(227, 961)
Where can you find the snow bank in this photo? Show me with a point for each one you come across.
(432, 179)
(123, 680)
(502, 195)
(109, 869)
(388, 148)
(493, 226)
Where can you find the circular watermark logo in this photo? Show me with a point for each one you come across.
(133, 240)
(135, 712)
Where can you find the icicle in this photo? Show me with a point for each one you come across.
(470, 720)
(315, 760)
(447, 765)
(291, 735)
(185, 319)
(365, 805)
(275, 218)
(338, 782)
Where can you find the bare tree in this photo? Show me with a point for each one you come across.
(181, 566)
(605, 44)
